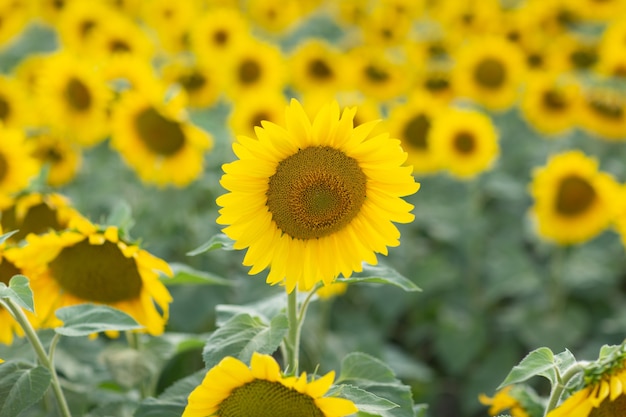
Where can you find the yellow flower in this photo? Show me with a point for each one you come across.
(89, 264)
(63, 157)
(8, 326)
(120, 35)
(464, 142)
(603, 113)
(274, 16)
(232, 389)
(218, 32)
(253, 108)
(315, 199)
(201, 82)
(17, 166)
(574, 201)
(502, 402)
(14, 16)
(171, 22)
(332, 290)
(316, 65)
(385, 27)
(14, 105)
(156, 139)
(489, 71)
(79, 21)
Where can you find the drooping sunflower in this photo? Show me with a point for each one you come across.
(157, 140)
(504, 401)
(464, 142)
(551, 103)
(252, 109)
(14, 105)
(17, 166)
(313, 200)
(489, 71)
(232, 389)
(316, 65)
(62, 157)
(574, 201)
(87, 263)
(412, 122)
(75, 98)
(36, 213)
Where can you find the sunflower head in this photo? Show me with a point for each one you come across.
(315, 190)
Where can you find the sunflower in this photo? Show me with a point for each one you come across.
(156, 140)
(8, 326)
(316, 65)
(17, 166)
(504, 401)
(611, 49)
(87, 263)
(603, 393)
(468, 19)
(120, 35)
(232, 389)
(201, 82)
(79, 21)
(129, 72)
(75, 98)
(14, 16)
(14, 105)
(489, 71)
(604, 113)
(171, 22)
(50, 10)
(217, 32)
(36, 213)
(464, 142)
(314, 199)
(274, 16)
(569, 53)
(63, 157)
(252, 109)
(333, 290)
(412, 122)
(574, 201)
(385, 27)
(551, 103)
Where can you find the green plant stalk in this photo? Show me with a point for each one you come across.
(134, 342)
(557, 389)
(45, 359)
(292, 344)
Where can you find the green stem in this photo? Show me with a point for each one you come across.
(45, 359)
(134, 342)
(558, 388)
(292, 343)
(556, 277)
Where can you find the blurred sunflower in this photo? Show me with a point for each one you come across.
(332, 290)
(233, 389)
(14, 104)
(274, 16)
(468, 19)
(252, 66)
(90, 264)
(612, 50)
(504, 401)
(130, 8)
(8, 326)
(17, 166)
(298, 194)
(201, 82)
(464, 142)
(129, 72)
(411, 122)
(120, 35)
(599, 11)
(251, 110)
(489, 71)
(550, 103)
(573, 200)
(14, 15)
(50, 10)
(218, 32)
(570, 53)
(75, 98)
(36, 213)
(171, 22)
(62, 157)
(377, 74)
(385, 27)
(157, 141)
(79, 21)
(316, 65)
(604, 113)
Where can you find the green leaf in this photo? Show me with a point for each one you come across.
(372, 375)
(86, 319)
(184, 274)
(7, 235)
(19, 292)
(381, 274)
(21, 386)
(219, 241)
(173, 401)
(365, 401)
(419, 410)
(121, 216)
(538, 362)
(243, 335)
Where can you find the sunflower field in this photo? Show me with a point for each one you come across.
(312, 208)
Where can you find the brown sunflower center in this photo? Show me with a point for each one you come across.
(86, 28)
(574, 196)
(554, 100)
(416, 131)
(7, 270)
(318, 68)
(4, 167)
(99, 273)
(119, 45)
(437, 83)
(464, 142)
(490, 73)
(220, 37)
(607, 109)
(49, 154)
(161, 135)
(583, 58)
(258, 117)
(376, 75)
(316, 192)
(5, 108)
(193, 81)
(38, 219)
(610, 408)
(262, 398)
(78, 95)
(249, 71)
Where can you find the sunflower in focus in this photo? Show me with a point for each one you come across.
(255, 108)
(62, 157)
(489, 71)
(17, 166)
(157, 140)
(232, 389)
(464, 142)
(87, 263)
(504, 401)
(75, 98)
(313, 200)
(574, 201)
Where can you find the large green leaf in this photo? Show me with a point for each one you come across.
(374, 376)
(381, 274)
(219, 241)
(21, 385)
(184, 274)
(19, 292)
(538, 362)
(365, 401)
(243, 335)
(173, 401)
(86, 319)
